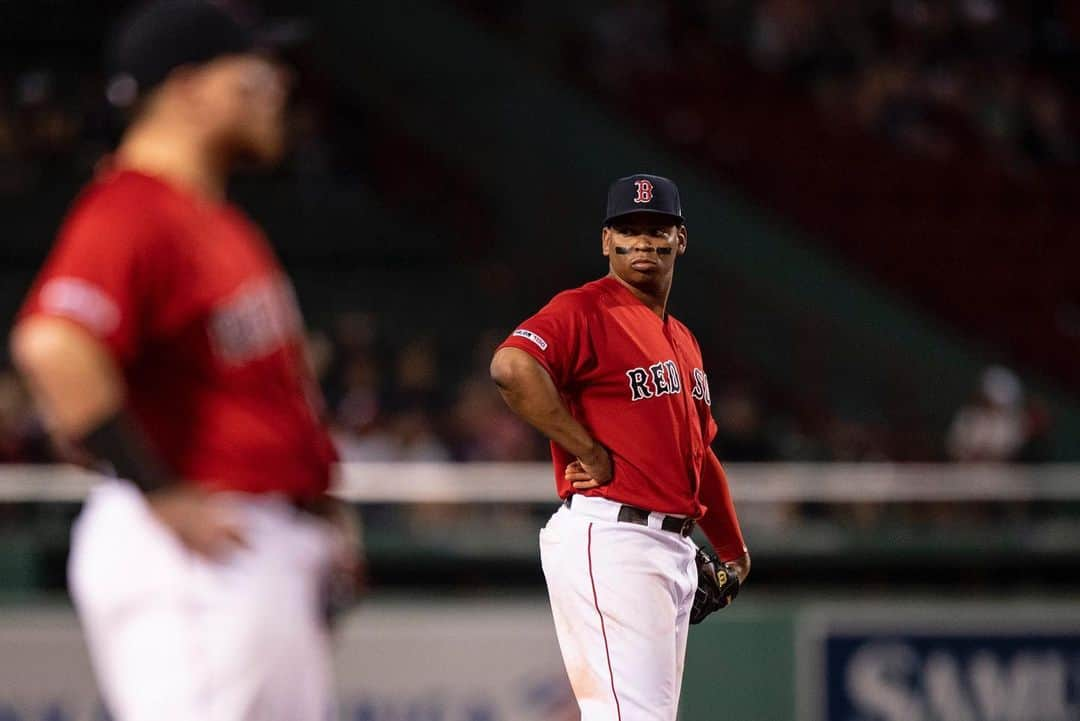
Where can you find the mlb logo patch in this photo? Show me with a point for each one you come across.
(529, 335)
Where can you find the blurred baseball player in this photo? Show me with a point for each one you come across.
(163, 338)
(619, 387)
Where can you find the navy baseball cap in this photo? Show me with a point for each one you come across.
(643, 193)
(158, 37)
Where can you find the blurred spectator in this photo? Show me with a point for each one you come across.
(415, 438)
(407, 436)
(417, 382)
(365, 427)
(359, 407)
(486, 430)
(994, 427)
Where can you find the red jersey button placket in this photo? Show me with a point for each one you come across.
(696, 451)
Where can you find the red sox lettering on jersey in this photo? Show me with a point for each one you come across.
(663, 378)
(258, 318)
(621, 369)
(658, 379)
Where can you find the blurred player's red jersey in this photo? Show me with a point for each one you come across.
(636, 383)
(200, 317)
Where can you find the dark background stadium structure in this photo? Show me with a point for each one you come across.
(926, 151)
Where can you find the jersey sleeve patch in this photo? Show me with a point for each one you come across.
(529, 335)
(81, 301)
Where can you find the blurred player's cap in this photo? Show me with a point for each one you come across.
(163, 35)
(643, 193)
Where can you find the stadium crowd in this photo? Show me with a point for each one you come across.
(936, 78)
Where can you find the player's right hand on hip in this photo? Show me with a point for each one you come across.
(590, 471)
(203, 524)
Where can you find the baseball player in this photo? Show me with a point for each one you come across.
(163, 338)
(619, 387)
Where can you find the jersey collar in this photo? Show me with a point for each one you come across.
(621, 292)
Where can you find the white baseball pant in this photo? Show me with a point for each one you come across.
(175, 637)
(621, 596)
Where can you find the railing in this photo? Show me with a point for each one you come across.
(450, 524)
(762, 483)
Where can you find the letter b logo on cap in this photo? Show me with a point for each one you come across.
(644, 191)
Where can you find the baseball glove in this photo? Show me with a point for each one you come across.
(718, 585)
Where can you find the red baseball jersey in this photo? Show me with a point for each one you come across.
(637, 383)
(188, 297)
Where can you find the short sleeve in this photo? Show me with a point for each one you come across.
(557, 337)
(99, 275)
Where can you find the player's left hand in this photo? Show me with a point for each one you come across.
(718, 585)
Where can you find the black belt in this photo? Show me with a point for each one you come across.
(639, 516)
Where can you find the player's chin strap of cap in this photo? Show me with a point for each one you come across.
(639, 516)
(119, 441)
